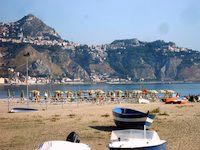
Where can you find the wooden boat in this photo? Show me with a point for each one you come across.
(71, 143)
(133, 139)
(133, 119)
(21, 109)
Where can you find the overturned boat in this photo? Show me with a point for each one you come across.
(176, 100)
(133, 139)
(132, 119)
(71, 143)
(22, 109)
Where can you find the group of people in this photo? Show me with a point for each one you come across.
(193, 98)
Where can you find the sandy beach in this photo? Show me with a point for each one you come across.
(177, 124)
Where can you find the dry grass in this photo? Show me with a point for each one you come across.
(163, 114)
(105, 115)
(22, 131)
(155, 111)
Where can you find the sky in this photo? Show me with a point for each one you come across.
(103, 21)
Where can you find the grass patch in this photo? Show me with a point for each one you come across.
(71, 115)
(39, 121)
(55, 118)
(94, 121)
(183, 106)
(163, 114)
(56, 115)
(155, 111)
(105, 115)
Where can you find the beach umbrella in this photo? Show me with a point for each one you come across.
(69, 93)
(137, 92)
(91, 91)
(66, 92)
(110, 93)
(118, 93)
(144, 91)
(79, 93)
(99, 91)
(36, 92)
(127, 93)
(152, 91)
(162, 91)
(170, 91)
(58, 91)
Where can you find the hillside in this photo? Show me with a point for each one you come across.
(156, 60)
(50, 55)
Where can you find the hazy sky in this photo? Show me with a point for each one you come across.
(102, 21)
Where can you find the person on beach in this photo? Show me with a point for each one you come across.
(22, 96)
(45, 95)
(177, 95)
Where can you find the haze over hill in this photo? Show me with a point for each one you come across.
(50, 55)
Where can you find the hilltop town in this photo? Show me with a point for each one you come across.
(53, 59)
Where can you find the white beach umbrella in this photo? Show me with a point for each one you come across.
(170, 91)
(137, 91)
(162, 91)
(152, 91)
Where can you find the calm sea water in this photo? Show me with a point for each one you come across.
(182, 88)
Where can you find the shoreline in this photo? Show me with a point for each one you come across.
(109, 83)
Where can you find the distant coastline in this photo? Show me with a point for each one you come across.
(109, 83)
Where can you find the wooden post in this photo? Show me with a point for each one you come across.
(8, 104)
(8, 94)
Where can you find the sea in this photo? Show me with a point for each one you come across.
(184, 89)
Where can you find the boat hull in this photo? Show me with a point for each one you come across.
(133, 139)
(63, 145)
(157, 147)
(132, 119)
(17, 110)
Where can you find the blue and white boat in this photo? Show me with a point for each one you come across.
(133, 139)
(132, 119)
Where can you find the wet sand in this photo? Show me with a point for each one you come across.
(179, 125)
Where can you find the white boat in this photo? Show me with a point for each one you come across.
(133, 139)
(71, 143)
(143, 101)
(63, 145)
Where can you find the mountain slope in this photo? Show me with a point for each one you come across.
(153, 61)
(130, 58)
(28, 26)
